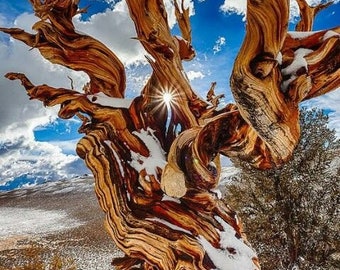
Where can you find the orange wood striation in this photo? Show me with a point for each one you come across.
(308, 13)
(172, 217)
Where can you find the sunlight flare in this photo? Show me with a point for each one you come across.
(167, 98)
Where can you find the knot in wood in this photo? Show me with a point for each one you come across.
(153, 36)
(262, 65)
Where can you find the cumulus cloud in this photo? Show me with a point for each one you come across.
(240, 6)
(116, 30)
(17, 57)
(234, 6)
(36, 162)
(24, 157)
(21, 155)
(192, 75)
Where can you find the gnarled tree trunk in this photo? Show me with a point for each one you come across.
(168, 215)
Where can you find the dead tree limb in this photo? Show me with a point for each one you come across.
(307, 14)
(169, 215)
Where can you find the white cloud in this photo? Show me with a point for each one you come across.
(219, 43)
(38, 161)
(17, 57)
(234, 6)
(116, 30)
(67, 146)
(21, 154)
(192, 75)
(109, 1)
(240, 6)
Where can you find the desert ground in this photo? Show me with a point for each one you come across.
(57, 225)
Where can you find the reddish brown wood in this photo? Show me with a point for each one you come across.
(172, 217)
(308, 13)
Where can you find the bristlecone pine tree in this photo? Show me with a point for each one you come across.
(167, 216)
(291, 214)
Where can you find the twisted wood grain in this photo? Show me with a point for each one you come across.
(164, 218)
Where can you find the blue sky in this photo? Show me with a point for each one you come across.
(36, 146)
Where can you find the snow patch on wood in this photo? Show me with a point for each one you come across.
(233, 252)
(298, 63)
(330, 34)
(168, 224)
(156, 157)
(301, 34)
(104, 100)
(116, 156)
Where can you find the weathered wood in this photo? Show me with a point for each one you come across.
(319, 51)
(307, 14)
(267, 90)
(256, 77)
(170, 216)
(57, 41)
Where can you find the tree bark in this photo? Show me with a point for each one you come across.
(170, 216)
(307, 14)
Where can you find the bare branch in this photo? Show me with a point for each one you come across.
(58, 42)
(255, 78)
(170, 216)
(307, 14)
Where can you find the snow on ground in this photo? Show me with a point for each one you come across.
(64, 186)
(61, 217)
(22, 221)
